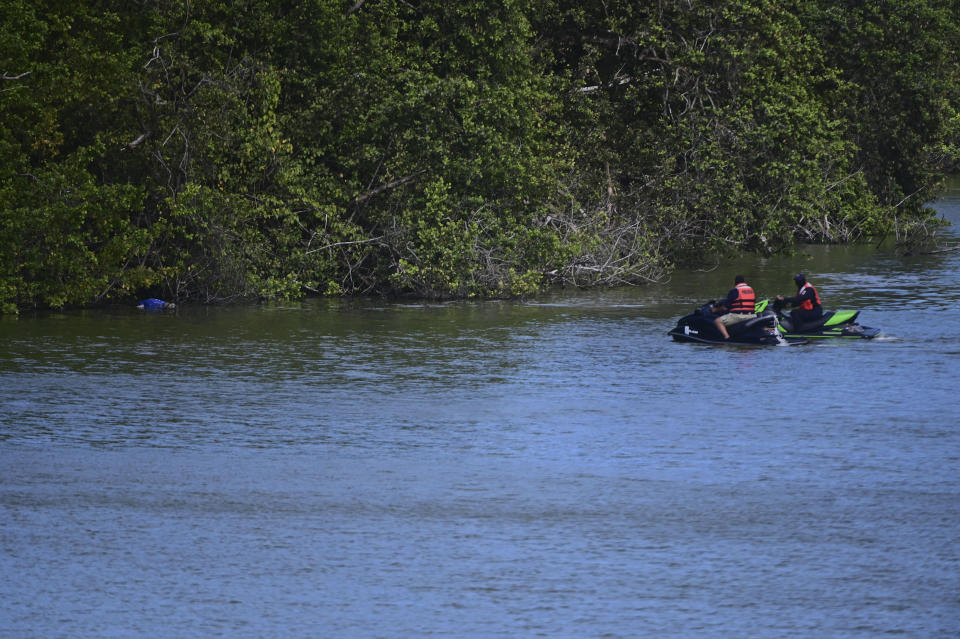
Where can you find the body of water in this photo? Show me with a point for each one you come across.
(555, 467)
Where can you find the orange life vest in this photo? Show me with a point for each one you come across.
(807, 304)
(746, 301)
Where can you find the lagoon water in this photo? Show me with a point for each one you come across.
(555, 467)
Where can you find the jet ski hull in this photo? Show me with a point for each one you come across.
(833, 324)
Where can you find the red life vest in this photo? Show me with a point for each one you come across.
(807, 304)
(746, 301)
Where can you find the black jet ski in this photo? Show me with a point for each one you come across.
(830, 324)
(698, 326)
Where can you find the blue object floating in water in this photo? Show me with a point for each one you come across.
(153, 304)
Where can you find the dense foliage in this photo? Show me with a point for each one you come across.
(214, 149)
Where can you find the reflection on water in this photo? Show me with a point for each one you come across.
(551, 467)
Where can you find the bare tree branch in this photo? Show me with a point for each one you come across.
(355, 7)
(131, 145)
(389, 185)
(336, 244)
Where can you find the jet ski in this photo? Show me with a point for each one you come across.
(830, 324)
(698, 326)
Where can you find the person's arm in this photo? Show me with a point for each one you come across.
(797, 300)
(731, 298)
(720, 307)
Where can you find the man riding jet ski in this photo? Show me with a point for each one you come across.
(738, 306)
(808, 319)
(807, 302)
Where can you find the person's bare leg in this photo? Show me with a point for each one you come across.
(722, 328)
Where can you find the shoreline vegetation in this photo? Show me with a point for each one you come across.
(213, 151)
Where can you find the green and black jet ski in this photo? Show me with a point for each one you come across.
(831, 324)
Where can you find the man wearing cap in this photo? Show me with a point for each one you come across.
(738, 306)
(807, 301)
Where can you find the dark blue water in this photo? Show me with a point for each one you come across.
(555, 467)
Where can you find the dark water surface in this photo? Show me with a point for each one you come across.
(549, 468)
